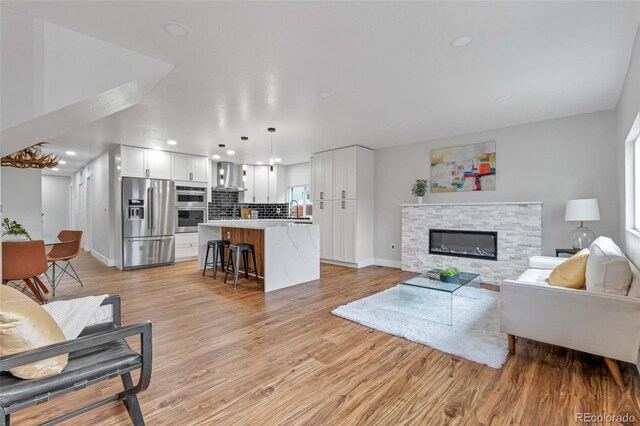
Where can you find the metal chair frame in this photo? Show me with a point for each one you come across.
(128, 396)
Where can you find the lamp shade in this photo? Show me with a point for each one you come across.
(582, 210)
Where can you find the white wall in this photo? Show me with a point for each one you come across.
(22, 198)
(97, 219)
(299, 174)
(549, 161)
(56, 204)
(627, 110)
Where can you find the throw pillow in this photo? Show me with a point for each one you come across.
(571, 272)
(608, 269)
(25, 325)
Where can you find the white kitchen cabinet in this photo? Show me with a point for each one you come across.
(349, 234)
(158, 164)
(261, 184)
(248, 183)
(323, 216)
(189, 168)
(322, 179)
(186, 246)
(142, 162)
(344, 230)
(345, 165)
(134, 161)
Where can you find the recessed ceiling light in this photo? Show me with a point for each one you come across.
(503, 98)
(71, 153)
(278, 160)
(62, 162)
(176, 29)
(172, 142)
(259, 163)
(462, 41)
(324, 95)
(55, 169)
(231, 152)
(215, 157)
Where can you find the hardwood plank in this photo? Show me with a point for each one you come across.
(229, 357)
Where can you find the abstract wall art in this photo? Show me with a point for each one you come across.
(464, 168)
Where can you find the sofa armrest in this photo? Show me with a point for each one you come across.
(545, 262)
(599, 324)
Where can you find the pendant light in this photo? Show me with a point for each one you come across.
(244, 164)
(271, 159)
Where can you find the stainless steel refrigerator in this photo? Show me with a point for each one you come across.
(148, 222)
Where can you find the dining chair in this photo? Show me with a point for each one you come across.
(64, 252)
(23, 261)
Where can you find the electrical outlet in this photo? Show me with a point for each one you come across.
(393, 246)
(278, 210)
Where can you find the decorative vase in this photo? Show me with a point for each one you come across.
(14, 237)
(452, 279)
(419, 200)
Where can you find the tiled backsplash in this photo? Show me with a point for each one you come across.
(225, 205)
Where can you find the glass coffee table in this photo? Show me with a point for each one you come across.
(432, 299)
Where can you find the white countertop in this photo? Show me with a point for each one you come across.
(256, 223)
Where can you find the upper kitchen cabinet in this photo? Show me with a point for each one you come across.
(322, 178)
(189, 168)
(345, 165)
(262, 186)
(142, 162)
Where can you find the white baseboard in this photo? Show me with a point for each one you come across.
(103, 259)
(388, 263)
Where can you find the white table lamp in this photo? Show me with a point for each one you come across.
(581, 211)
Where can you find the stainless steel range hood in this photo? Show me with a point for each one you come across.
(228, 177)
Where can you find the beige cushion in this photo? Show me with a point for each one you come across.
(25, 325)
(634, 288)
(571, 273)
(608, 269)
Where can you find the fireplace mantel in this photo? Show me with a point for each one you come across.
(509, 203)
(518, 226)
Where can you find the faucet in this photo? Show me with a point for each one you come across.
(297, 206)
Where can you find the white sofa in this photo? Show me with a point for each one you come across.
(601, 324)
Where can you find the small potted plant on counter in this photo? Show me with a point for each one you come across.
(419, 189)
(13, 231)
(449, 275)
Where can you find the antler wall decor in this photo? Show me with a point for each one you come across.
(31, 158)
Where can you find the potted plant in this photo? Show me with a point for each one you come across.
(419, 189)
(13, 231)
(449, 275)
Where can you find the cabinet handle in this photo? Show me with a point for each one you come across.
(321, 205)
(254, 198)
(321, 195)
(147, 172)
(344, 194)
(190, 176)
(343, 204)
(267, 198)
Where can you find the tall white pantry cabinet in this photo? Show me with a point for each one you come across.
(342, 188)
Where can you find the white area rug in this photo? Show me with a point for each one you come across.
(406, 311)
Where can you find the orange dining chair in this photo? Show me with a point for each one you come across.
(24, 261)
(64, 252)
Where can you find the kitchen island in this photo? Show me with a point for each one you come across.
(287, 253)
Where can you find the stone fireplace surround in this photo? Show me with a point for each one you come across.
(518, 224)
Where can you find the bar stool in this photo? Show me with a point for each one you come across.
(243, 250)
(218, 248)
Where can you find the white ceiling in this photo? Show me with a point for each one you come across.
(389, 67)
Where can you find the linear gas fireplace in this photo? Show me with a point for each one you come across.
(474, 244)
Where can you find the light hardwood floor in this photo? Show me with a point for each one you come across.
(240, 357)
